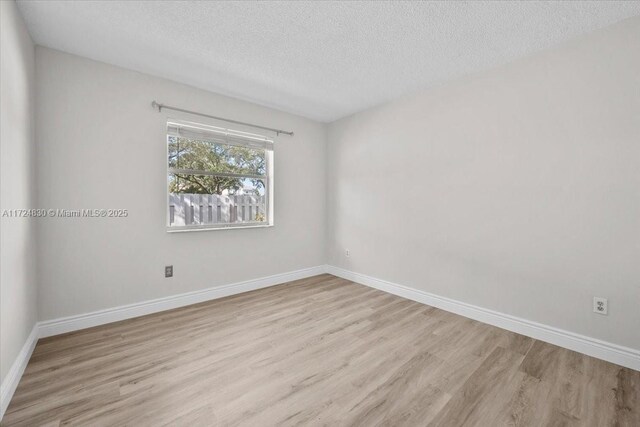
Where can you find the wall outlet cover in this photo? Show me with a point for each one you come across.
(600, 305)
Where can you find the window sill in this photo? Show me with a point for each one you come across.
(205, 228)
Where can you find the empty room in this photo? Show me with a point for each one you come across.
(314, 213)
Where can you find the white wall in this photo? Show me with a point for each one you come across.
(18, 306)
(516, 190)
(101, 145)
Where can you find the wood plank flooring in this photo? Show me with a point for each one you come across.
(319, 351)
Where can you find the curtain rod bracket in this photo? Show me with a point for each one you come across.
(159, 106)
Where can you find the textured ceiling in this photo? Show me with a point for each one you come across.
(322, 60)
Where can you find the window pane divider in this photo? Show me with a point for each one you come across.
(209, 173)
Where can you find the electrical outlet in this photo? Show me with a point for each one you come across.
(347, 253)
(168, 271)
(600, 305)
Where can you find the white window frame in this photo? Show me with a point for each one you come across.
(237, 136)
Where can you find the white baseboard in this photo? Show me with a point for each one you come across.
(614, 353)
(10, 382)
(82, 321)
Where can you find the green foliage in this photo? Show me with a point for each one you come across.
(207, 156)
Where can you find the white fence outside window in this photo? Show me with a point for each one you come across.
(207, 209)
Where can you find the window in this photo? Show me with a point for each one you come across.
(217, 178)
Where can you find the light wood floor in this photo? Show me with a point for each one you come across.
(320, 351)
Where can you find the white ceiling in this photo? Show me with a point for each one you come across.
(322, 60)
